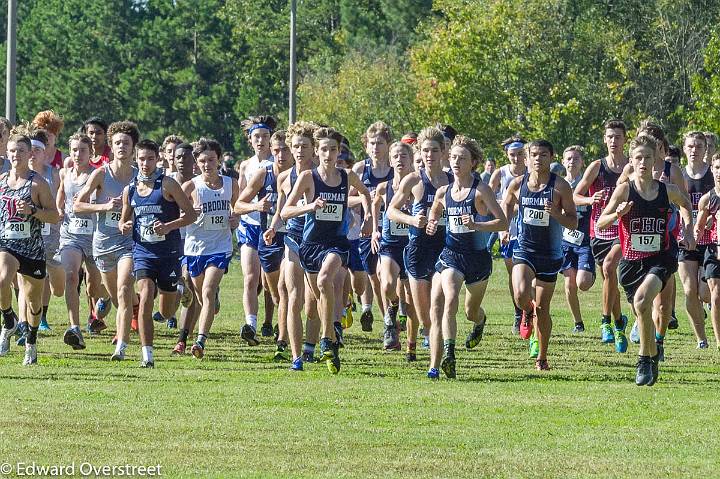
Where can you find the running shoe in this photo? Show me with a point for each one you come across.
(179, 349)
(147, 364)
(5, 335)
(526, 323)
(366, 321)
(157, 317)
(475, 335)
(118, 355)
(96, 326)
(402, 322)
(266, 330)
(644, 374)
(44, 326)
(248, 334)
(635, 333)
(542, 365)
(276, 332)
(660, 351)
(674, 323)
(448, 367)
(186, 294)
(172, 323)
(655, 370)
(102, 308)
(516, 326)
(433, 373)
(391, 340)
(426, 342)
(308, 357)
(297, 364)
(197, 350)
(606, 333)
(30, 355)
(330, 353)
(74, 338)
(21, 333)
(339, 334)
(534, 346)
(411, 356)
(703, 344)
(579, 328)
(281, 352)
(621, 342)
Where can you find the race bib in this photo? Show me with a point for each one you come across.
(456, 225)
(645, 243)
(45, 229)
(148, 235)
(215, 222)
(573, 236)
(17, 230)
(694, 215)
(81, 226)
(112, 218)
(398, 229)
(330, 212)
(535, 217)
(443, 221)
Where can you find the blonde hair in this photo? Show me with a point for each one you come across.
(476, 153)
(431, 133)
(379, 128)
(304, 129)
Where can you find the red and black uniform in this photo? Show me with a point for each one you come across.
(601, 241)
(711, 263)
(57, 161)
(648, 246)
(696, 189)
(103, 159)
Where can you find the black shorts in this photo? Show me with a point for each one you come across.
(35, 268)
(475, 266)
(632, 273)
(697, 255)
(546, 269)
(601, 248)
(711, 264)
(420, 259)
(165, 272)
(312, 255)
(396, 253)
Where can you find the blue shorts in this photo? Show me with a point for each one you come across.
(271, 256)
(506, 250)
(165, 272)
(396, 253)
(578, 258)
(197, 265)
(368, 258)
(354, 261)
(293, 242)
(546, 269)
(249, 235)
(312, 255)
(420, 259)
(475, 266)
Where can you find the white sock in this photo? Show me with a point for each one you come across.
(120, 346)
(75, 328)
(402, 311)
(147, 353)
(366, 307)
(251, 319)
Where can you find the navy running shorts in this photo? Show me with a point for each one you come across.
(312, 255)
(395, 253)
(475, 266)
(579, 258)
(271, 256)
(420, 259)
(546, 269)
(165, 272)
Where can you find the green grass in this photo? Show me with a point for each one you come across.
(238, 414)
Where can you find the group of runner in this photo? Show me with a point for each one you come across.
(405, 227)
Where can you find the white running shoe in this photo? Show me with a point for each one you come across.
(30, 355)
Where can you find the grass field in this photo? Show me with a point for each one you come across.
(237, 414)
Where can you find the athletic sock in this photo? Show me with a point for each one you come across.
(32, 335)
(605, 319)
(43, 317)
(449, 348)
(619, 324)
(201, 339)
(387, 319)
(518, 311)
(8, 318)
(251, 319)
(184, 333)
(75, 328)
(659, 338)
(309, 348)
(147, 353)
(120, 346)
(366, 307)
(402, 308)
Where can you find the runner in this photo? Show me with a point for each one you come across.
(712, 141)
(76, 236)
(208, 241)
(51, 122)
(649, 250)
(112, 251)
(26, 204)
(324, 251)
(96, 129)
(422, 250)
(599, 181)
(579, 263)
(154, 208)
(472, 213)
(545, 206)
(499, 181)
(168, 153)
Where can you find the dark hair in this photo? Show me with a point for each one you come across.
(40, 135)
(616, 123)
(256, 120)
(95, 120)
(207, 144)
(674, 151)
(21, 139)
(127, 127)
(513, 139)
(148, 145)
(541, 144)
(6, 123)
(448, 131)
(491, 160)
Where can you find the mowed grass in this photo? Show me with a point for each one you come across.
(238, 414)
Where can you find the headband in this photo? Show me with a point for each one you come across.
(257, 126)
(409, 141)
(515, 145)
(37, 144)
